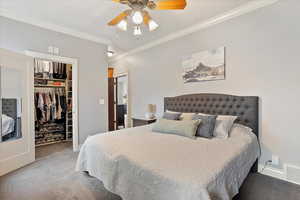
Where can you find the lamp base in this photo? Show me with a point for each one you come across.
(150, 116)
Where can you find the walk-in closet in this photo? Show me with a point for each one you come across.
(52, 102)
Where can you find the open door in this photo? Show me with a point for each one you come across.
(121, 99)
(118, 117)
(16, 111)
(111, 100)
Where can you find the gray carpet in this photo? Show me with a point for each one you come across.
(52, 177)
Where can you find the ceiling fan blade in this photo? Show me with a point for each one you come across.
(170, 5)
(151, 5)
(121, 1)
(119, 18)
(147, 17)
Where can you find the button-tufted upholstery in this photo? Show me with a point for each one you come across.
(245, 107)
(9, 107)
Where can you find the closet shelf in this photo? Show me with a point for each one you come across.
(51, 86)
(50, 132)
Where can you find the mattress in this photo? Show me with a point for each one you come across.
(140, 164)
(8, 125)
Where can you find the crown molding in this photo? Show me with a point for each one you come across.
(54, 27)
(239, 11)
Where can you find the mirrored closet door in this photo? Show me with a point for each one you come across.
(16, 103)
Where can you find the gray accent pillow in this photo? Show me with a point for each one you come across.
(171, 115)
(186, 128)
(207, 125)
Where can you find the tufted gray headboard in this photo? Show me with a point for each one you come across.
(9, 107)
(245, 107)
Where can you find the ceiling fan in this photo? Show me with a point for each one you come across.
(140, 16)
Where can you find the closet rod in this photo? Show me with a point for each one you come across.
(50, 79)
(50, 86)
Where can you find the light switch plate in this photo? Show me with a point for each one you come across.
(50, 49)
(101, 101)
(56, 50)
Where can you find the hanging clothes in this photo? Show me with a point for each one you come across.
(59, 70)
(50, 104)
(49, 70)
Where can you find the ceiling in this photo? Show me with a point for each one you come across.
(91, 16)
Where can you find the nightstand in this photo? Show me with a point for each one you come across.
(141, 121)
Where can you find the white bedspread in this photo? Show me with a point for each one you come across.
(8, 125)
(139, 164)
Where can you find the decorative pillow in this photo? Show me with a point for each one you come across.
(187, 116)
(238, 129)
(171, 115)
(207, 125)
(186, 128)
(223, 126)
(242, 127)
(170, 111)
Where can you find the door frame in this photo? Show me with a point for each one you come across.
(129, 120)
(74, 63)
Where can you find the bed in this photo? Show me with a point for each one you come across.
(9, 116)
(140, 164)
(8, 125)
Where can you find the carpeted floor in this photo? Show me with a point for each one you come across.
(52, 177)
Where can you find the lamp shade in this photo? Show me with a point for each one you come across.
(151, 108)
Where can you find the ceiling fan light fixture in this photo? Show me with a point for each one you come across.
(137, 31)
(122, 25)
(110, 53)
(137, 17)
(152, 25)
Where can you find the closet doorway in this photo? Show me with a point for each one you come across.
(55, 99)
(118, 101)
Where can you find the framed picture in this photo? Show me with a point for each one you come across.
(204, 66)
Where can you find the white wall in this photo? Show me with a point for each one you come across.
(17, 36)
(262, 60)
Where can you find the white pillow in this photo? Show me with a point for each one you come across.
(187, 116)
(223, 126)
(169, 111)
(238, 129)
(242, 127)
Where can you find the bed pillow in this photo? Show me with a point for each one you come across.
(243, 127)
(223, 126)
(184, 116)
(187, 116)
(171, 115)
(186, 128)
(207, 125)
(237, 129)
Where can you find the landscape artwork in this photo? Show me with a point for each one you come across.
(204, 66)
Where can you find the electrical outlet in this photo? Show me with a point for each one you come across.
(275, 160)
(101, 101)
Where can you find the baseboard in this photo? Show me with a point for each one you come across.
(289, 173)
(15, 162)
(269, 171)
